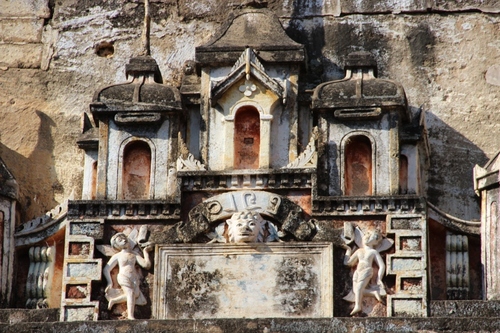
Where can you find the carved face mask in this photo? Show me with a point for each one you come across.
(244, 227)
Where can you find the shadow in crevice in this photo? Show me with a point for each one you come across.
(35, 174)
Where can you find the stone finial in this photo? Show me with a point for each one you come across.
(146, 51)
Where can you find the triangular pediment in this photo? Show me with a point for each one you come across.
(248, 66)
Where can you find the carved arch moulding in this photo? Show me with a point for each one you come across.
(204, 217)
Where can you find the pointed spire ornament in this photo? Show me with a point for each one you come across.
(146, 51)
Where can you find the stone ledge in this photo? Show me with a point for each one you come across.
(465, 308)
(275, 325)
(19, 316)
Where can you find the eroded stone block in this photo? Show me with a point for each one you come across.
(21, 55)
(25, 8)
(10, 30)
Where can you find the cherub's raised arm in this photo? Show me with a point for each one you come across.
(146, 261)
(350, 258)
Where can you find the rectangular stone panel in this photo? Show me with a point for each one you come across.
(81, 249)
(77, 291)
(404, 264)
(411, 285)
(411, 243)
(89, 270)
(243, 281)
(413, 223)
(80, 313)
(407, 307)
(91, 229)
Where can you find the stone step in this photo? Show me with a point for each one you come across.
(465, 308)
(17, 316)
(269, 325)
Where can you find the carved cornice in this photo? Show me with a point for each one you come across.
(348, 206)
(111, 209)
(242, 179)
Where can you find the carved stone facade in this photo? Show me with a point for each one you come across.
(251, 195)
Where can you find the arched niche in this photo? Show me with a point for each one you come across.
(136, 170)
(358, 165)
(246, 138)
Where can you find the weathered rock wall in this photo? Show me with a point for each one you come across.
(445, 54)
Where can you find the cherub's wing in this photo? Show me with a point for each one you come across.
(358, 237)
(132, 237)
(348, 234)
(107, 250)
(384, 245)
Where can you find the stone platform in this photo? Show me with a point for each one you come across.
(332, 325)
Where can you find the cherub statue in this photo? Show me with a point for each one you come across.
(245, 227)
(128, 277)
(369, 247)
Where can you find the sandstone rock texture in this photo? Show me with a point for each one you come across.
(56, 54)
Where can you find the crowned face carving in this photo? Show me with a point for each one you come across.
(245, 227)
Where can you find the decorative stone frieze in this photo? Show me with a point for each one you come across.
(154, 209)
(335, 206)
(241, 179)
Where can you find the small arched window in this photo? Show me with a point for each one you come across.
(246, 138)
(403, 174)
(136, 176)
(358, 166)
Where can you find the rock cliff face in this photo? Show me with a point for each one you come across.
(55, 54)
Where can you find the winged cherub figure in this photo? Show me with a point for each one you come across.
(369, 247)
(128, 277)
